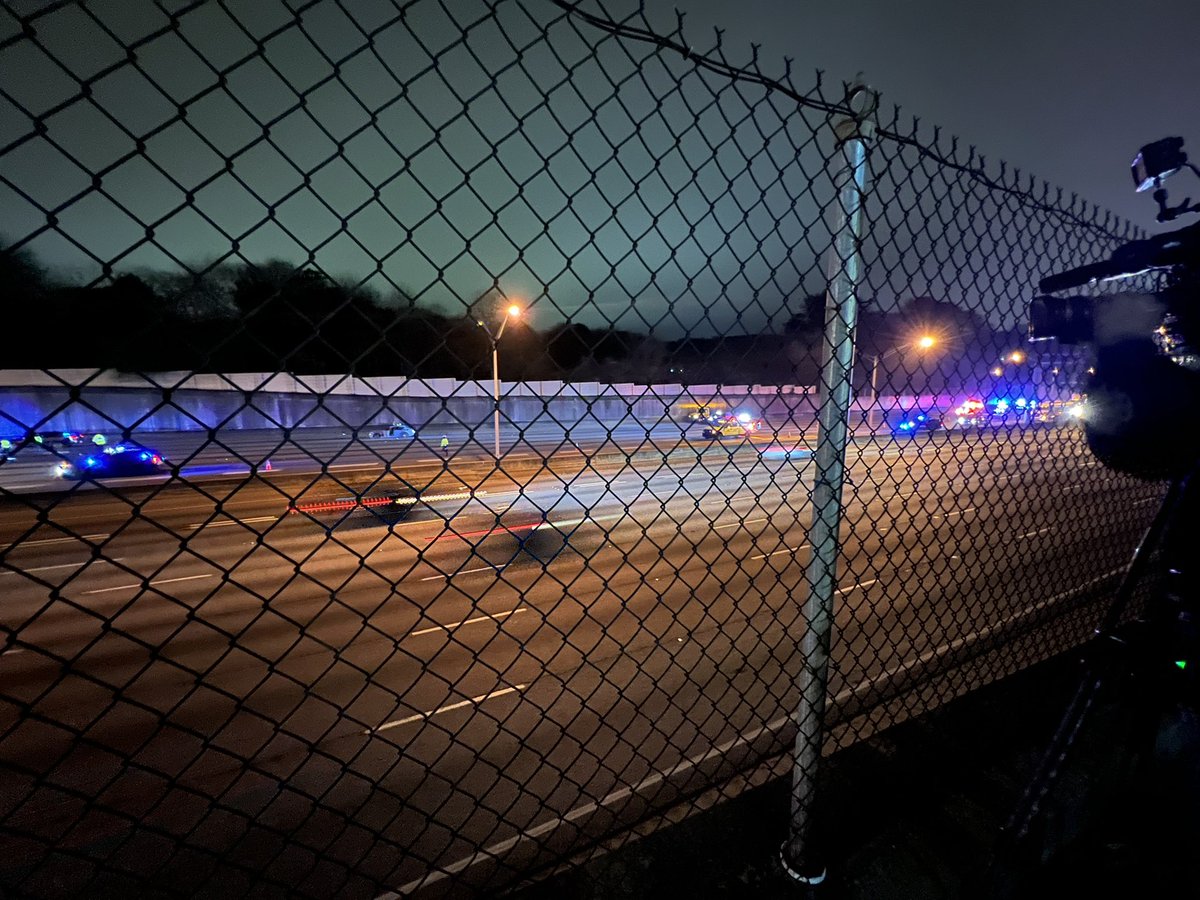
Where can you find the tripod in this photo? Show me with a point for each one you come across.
(1155, 654)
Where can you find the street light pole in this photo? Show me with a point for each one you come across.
(874, 393)
(511, 313)
(924, 343)
(496, 394)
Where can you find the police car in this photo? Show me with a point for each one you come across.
(918, 421)
(122, 460)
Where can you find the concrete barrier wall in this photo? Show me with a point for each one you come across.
(115, 409)
(87, 400)
(349, 385)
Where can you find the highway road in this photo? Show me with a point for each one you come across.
(232, 454)
(204, 690)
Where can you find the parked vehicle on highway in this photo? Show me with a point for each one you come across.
(740, 425)
(704, 414)
(749, 422)
(918, 421)
(1017, 412)
(395, 431)
(122, 460)
(973, 413)
(51, 439)
(722, 430)
(1057, 413)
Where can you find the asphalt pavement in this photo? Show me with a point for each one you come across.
(231, 454)
(430, 698)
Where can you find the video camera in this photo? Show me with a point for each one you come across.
(1175, 253)
(1144, 398)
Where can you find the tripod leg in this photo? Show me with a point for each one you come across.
(1102, 658)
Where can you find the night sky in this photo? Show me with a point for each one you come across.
(642, 215)
(1065, 89)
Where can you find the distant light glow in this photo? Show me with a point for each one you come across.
(926, 341)
(514, 311)
(744, 418)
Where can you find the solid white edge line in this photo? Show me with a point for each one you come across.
(61, 540)
(78, 565)
(441, 709)
(462, 572)
(784, 550)
(858, 584)
(1034, 533)
(487, 617)
(741, 522)
(129, 587)
(495, 850)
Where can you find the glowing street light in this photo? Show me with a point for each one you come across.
(513, 312)
(924, 342)
(1016, 357)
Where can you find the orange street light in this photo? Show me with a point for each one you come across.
(924, 342)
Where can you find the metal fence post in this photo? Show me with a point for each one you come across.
(841, 317)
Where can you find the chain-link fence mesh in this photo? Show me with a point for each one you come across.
(294, 605)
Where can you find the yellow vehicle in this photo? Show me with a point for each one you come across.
(732, 426)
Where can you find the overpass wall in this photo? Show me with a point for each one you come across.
(90, 400)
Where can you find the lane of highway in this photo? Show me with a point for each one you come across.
(292, 541)
(256, 501)
(647, 679)
(523, 627)
(253, 579)
(199, 455)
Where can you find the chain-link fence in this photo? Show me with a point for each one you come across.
(501, 550)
